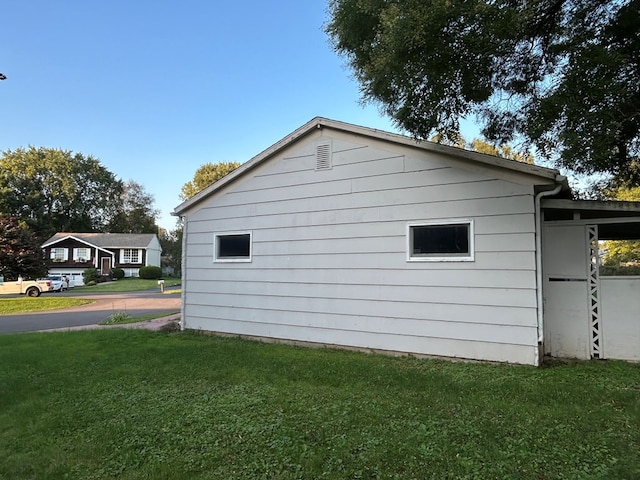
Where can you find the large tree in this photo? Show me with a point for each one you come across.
(57, 190)
(20, 252)
(206, 175)
(621, 252)
(171, 243)
(561, 75)
(135, 212)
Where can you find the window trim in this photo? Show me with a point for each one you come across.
(65, 254)
(124, 261)
(76, 255)
(441, 257)
(217, 259)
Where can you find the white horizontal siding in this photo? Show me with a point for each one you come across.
(204, 305)
(516, 297)
(360, 325)
(440, 276)
(478, 349)
(490, 225)
(389, 244)
(329, 256)
(497, 261)
(318, 198)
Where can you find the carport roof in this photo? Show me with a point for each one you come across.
(616, 220)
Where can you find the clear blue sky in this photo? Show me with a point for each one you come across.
(154, 89)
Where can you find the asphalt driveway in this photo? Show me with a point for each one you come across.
(136, 304)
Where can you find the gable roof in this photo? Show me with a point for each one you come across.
(539, 175)
(105, 240)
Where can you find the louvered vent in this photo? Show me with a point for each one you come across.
(323, 156)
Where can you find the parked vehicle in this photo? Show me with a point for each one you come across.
(57, 283)
(73, 279)
(32, 288)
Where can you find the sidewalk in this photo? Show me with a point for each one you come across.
(155, 324)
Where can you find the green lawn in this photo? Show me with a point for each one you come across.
(11, 306)
(138, 404)
(128, 285)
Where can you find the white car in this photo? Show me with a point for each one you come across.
(57, 283)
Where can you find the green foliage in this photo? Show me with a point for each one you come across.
(171, 243)
(117, 273)
(57, 190)
(504, 151)
(90, 275)
(481, 146)
(613, 269)
(561, 75)
(622, 255)
(20, 252)
(134, 212)
(150, 272)
(206, 175)
(138, 404)
(117, 318)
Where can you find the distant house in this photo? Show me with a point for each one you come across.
(348, 236)
(72, 253)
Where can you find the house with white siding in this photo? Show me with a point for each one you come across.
(347, 236)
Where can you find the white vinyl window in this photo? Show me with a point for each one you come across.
(81, 255)
(448, 241)
(130, 255)
(59, 254)
(232, 247)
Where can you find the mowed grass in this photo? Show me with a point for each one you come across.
(132, 404)
(11, 306)
(129, 284)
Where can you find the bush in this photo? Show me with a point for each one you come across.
(117, 273)
(150, 273)
(91, 275)
(619, 270)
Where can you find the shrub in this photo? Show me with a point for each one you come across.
(117, 273)
(91, 275)
(117, 318)
(150, 273)
(619, 270)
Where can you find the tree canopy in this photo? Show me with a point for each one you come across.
(206, 175)
(561, 75)
(135, 212)
(171, 243)
(20, 252)
(56, 190)
(621, 252)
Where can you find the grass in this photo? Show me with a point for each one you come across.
(121, 318)
(138, 404)
(12, 306)
(129, 284)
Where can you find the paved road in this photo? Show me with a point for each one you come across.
(134, 303)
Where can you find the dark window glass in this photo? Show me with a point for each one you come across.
(234, 246)
(440, 240)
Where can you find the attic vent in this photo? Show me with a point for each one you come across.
(323, 156)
